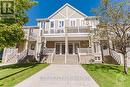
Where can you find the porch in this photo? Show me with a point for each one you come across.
(72, 52)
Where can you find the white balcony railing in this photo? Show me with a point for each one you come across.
(78, 30)
(68, 29)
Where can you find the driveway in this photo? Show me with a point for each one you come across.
(57, 75)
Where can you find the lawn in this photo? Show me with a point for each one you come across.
(13, 74)
(108, 75)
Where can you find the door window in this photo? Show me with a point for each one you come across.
(58, 48)
(76, 47)
(70, 48)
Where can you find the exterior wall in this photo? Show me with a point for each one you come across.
(84, 44)
(21, 46)
(50, 44)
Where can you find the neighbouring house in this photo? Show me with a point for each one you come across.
(65, 37)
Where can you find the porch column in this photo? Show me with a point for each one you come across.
(66, 45)
(45, 42)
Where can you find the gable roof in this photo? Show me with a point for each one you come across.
(68, 6)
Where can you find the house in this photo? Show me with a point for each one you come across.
(66, 37)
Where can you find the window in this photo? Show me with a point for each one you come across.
(81, 22)
(61, 24)
(73, 23)
(52, 24)
(31, 30)
(43, 25)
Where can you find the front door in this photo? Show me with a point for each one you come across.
(60, 48)
(70, 48)
(76, 46)
(57, 48)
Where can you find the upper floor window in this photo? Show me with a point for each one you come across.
(31, 30)
(73, 23)
(81, 22)
(43, 25)
(52, 24)
(61, 24)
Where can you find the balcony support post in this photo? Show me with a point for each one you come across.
(66, 45)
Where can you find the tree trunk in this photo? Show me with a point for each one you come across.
(125, 63)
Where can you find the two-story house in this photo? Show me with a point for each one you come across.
(66, 36)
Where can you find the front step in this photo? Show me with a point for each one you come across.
(72, 59)
(59, 59)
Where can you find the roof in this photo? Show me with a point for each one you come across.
(61, 9)
(30, 27)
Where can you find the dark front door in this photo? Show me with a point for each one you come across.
(70, 48)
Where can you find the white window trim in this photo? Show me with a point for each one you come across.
(81, 22)
(50, 24)
(72, 20)
(42, 25)
(59, 24)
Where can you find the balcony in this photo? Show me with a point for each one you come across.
(74, 30)
(78, 30)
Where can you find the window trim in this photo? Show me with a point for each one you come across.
(81, 22)
(70, 21)
(50, 24)
(59, 23)
(42, 25)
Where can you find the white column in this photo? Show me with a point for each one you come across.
(45, 42)
(73, 48)
(66, 45)
(60, 48)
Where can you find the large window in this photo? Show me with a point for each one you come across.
(72, 23)
(43, 25)
(61, 24)
(52, 24)
(81, 22)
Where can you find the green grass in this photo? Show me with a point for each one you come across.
(13, 74)
(108, 75)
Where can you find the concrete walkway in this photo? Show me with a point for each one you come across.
(60, 76)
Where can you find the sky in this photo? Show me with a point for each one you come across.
(47, 7)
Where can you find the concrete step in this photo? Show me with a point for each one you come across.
(59, 59)
(72, 59)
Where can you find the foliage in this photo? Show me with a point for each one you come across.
(9, 35)
(11, 27)
(114, 14)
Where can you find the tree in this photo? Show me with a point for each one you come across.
(114, 14)
(11, 27)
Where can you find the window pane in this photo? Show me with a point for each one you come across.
(43, 25)
(61, 23)
(52, 24)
